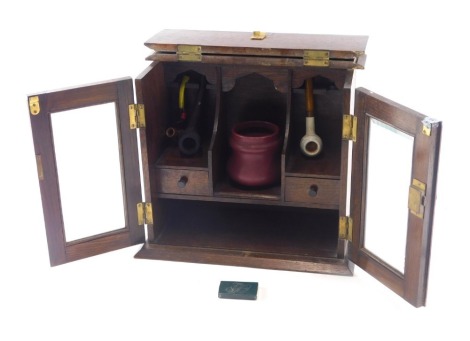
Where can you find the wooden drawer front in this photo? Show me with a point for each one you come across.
(312, 190)
(183, 181)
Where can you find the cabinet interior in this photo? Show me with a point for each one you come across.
(209, 211)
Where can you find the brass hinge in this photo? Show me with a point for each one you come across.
(345, 228)
(349, 127)
(34, 107)
(144, 213)
(427, 125)
(189, 53)
(416, 198)
(136, 116)
(316, 58)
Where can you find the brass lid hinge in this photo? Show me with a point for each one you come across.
(189, 53)
(416, 196)
(136, 116)
(144, 213)
(345, 228)
(316, 58)
(349, 127)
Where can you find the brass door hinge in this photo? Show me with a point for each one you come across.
(416, 198)
(345, 228)
(34, 107)
(144, 213)
(189, 53)
(136, 116)
(316, 58)
(349, 127)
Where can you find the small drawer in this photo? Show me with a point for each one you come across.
(323, 192)
(183, 181)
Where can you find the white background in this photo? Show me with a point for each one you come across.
(417, 55)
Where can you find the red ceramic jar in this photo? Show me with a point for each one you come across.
(255, 158)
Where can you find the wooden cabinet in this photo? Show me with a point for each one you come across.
(313, 219)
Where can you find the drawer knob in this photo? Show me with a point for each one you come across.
(182, 181)
(313, 191)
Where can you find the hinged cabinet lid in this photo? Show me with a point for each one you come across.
(282, 49)
(393, 181)
(88, 169)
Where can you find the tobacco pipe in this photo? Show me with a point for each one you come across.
(175, 131)
(172, 132)
(311, 144)
(184, 81)
(189, 141)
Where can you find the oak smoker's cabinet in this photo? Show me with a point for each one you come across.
(313, 219)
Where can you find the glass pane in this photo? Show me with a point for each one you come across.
(388, 179)
(88, 163)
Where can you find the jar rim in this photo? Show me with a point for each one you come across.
(270, 130)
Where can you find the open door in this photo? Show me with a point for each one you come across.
(394, 171)
(88, 169)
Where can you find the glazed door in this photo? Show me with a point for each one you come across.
(394, 170)
(88, 169)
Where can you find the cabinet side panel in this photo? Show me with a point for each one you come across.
(151, 91)
(129, 161)
(345, 161)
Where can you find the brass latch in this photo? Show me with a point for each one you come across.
(349, 127)
(345, 228)
(34, 107)
(258, 35)
(316, 58)
(416, 198)
(136, 116)
(144, 213)
(189, 53)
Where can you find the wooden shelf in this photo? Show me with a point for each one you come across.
(227, 188)
(327, 165)
(292, 231)
(172, 158)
